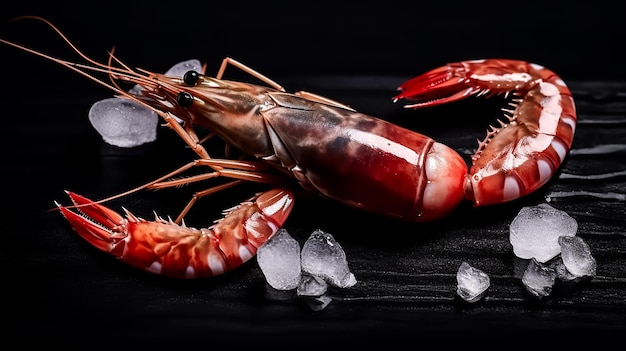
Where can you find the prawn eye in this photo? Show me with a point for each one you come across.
(184, 99)
(191, 78)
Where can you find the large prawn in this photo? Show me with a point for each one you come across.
(327, 148)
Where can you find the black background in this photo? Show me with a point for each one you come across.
(59, 289)
(579, 40)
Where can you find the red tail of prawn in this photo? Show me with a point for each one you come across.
(524, 152)
(163, 247)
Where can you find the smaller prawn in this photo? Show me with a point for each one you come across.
(166, 248)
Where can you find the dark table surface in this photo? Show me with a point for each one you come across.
(58, 288)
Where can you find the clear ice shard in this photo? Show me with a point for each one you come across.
(323, 256)
(279, 260)
(534, 232)
(562, 274)
(539, 279)
(577, 257)
(311, 285)
(472, 283)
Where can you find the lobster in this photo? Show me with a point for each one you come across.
(327, 148)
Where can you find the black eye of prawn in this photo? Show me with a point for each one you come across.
(184, 99)
(191, 78)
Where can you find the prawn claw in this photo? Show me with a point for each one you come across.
(95, 223)
(437, 86)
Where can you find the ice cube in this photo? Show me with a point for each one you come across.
(179, 69)
(472, 283)
(311, 285)
(534, 232)
(577, 256)
(539, 279)
(562, 274)
(123, 122)
(323, 256)
(279, 260)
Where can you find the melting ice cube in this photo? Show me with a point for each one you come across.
(323, 256)
(472, 283)
(279, 260)
(534, 232)
(123, 122)
(577, 256)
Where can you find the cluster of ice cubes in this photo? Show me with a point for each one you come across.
(310, 270)
(125, 123)
(545, 239)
